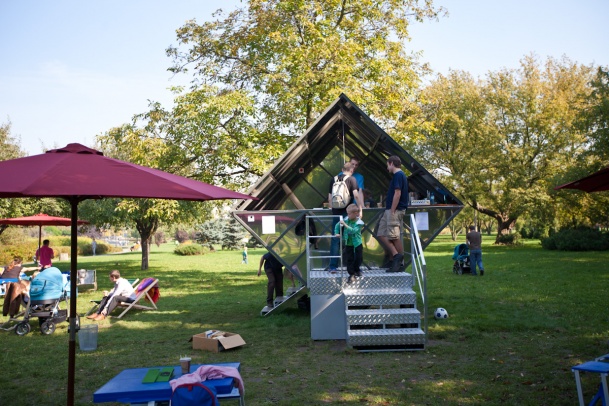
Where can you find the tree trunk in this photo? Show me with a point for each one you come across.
(505, 221)
(146, 228)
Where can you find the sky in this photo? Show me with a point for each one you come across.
(73, 69)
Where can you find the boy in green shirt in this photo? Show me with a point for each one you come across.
(352, 241)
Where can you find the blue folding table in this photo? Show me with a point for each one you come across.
(127, 386)
(596, 366)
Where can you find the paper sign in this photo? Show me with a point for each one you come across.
(422, 219)
(268, 224)
(250, 219)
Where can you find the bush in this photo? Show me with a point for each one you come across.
(85, 247)
(509, 239)
(191, 249)
(25, 250)
(181, 236)
(577, 239)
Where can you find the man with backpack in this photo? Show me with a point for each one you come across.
(344, 190)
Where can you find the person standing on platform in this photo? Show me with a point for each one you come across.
(352, 241)
(350, 184)
(391, 224)
(44, 255)
(273, 270)
(474, 242)
(354, 161)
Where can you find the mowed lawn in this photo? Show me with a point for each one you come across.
(511, 338)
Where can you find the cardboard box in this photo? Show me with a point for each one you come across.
(222, 341)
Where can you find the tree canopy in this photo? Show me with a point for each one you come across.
(503, 141)
(293, 57)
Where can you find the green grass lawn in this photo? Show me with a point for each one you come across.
(511, 338)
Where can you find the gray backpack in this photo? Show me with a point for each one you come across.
(340, 192)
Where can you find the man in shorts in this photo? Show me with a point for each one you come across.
(391, 224)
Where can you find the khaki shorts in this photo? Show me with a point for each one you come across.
(391, 226)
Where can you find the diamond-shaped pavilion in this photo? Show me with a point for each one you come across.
(298, 184)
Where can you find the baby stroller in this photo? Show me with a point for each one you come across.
(46, 291)
(461, 257)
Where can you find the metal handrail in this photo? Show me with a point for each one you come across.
(308, 245)
(419, 267)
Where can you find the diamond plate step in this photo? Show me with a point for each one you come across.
(383, 316)
(371, 297)
(386, 337)
(325, 283)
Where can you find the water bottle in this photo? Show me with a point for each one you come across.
(432, 199)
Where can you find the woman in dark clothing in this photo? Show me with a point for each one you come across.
(13, 270)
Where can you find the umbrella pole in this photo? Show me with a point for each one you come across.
(39, 241)
(73, 299)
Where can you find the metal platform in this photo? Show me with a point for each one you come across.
(376, 312)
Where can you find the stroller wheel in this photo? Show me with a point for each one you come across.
(22, 328)
(455, 268)
(48, 327)
(459, 270)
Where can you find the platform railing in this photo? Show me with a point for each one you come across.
(419, 267)
(339, 257)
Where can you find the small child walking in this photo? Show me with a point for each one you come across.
(244, 253)
(352, 241)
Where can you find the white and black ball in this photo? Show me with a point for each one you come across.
(440, 313)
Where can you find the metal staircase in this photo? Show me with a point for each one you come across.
(377, 312)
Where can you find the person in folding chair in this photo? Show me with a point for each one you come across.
(121, 292)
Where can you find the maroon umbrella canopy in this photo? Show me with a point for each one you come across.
(40, 220)
(76, 173)
(596, 182)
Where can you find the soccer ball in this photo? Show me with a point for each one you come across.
(440, 313)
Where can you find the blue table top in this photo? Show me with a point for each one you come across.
(127, 386)
(593, 366)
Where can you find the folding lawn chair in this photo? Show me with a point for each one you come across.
(97, 302)
(142, 290)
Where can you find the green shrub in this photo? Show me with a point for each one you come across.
(85, 247)
(577, 239)
(191, 249)
(25, 250)
(509, 239)
(548, 243)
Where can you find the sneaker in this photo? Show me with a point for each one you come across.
(482, 272)
(359, 274)
(270, 305)
(351, 279)
(332, 269)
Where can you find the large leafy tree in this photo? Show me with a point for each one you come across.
(293, 57)
(502, 141)
(135, 145)
(211, 135)
(596, 116)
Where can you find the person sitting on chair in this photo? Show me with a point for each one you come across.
(13, 270)
(121, 292)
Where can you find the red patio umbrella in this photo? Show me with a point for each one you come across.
(77, 173)
(40, 220)
(596, 182)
